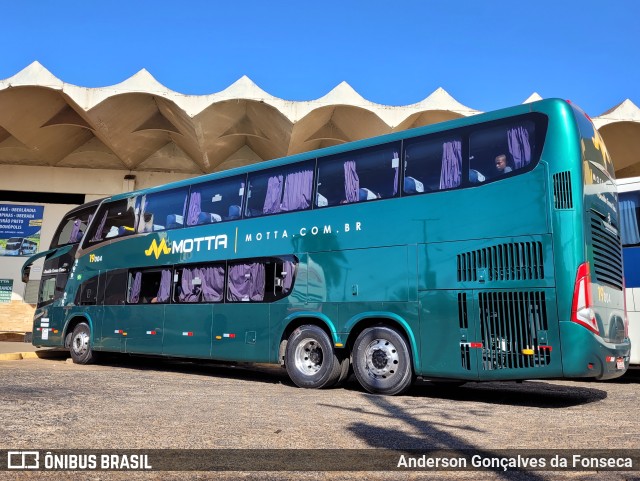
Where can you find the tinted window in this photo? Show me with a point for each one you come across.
(593, 148)
(161, 210)
(149, 286)
(284, 189)
(201, 283)
(501, 149)
(88, 292)
(265, 280)
(114, 219)
(216, 201)
(51, 288)
(358, 176)
(114, 288)
(432, 164)
(72, 228)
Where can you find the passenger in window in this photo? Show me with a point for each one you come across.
(501, 164)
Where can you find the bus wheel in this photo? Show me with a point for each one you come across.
(81, 351)
(381, 361)
(310, 359)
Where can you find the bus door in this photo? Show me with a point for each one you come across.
(50, 314)
(148, 293)
(187, 325)
(111, 322)
(241, 326)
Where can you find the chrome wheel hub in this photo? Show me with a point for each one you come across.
(381, 358)
(308, 356)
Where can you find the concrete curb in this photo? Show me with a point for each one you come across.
(49, 354)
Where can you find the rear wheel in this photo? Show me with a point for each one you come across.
(80, 348)
(381, 361)
(310, 359)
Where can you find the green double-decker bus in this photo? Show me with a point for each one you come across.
(483, 248)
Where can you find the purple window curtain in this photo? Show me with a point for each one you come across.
(288, 268)
(351, 181)
(519, 146)
(451, 164)
(165, 286)
(274, 195)
(134, 295)
(186, 286)
(239, 283)
(257, 278)
(246, 282)
(194, 208)
(212, 283)
(297, 191)
(98, 235)
(75, 232)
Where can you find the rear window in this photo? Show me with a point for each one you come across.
(593, 148)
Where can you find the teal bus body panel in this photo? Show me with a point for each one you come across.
(141, 322)
(179, 322)
(244, 332)
(113, 322)
(364, 275)
(442, 336)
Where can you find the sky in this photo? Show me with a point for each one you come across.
(486, 54)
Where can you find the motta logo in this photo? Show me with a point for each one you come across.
(157, 249)
(197, 244)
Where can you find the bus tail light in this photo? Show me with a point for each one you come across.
(582, 305)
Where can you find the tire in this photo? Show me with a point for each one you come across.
(310, 359)
(382, 362)
(80, 348)
(345, 370)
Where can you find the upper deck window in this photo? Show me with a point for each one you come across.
(284, 189)
(432, 164)
(501, 149)
(72, 228)
(114, 219)
(216, 201)
(161, 210)
(359, 176)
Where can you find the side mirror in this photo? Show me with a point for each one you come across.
(26, 272)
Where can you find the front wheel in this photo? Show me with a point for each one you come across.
(310, 359)
(80, 348)
(381, 361)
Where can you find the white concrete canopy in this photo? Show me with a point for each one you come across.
(140, 125)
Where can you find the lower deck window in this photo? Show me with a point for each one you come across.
(199, 284)
(149, 286)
